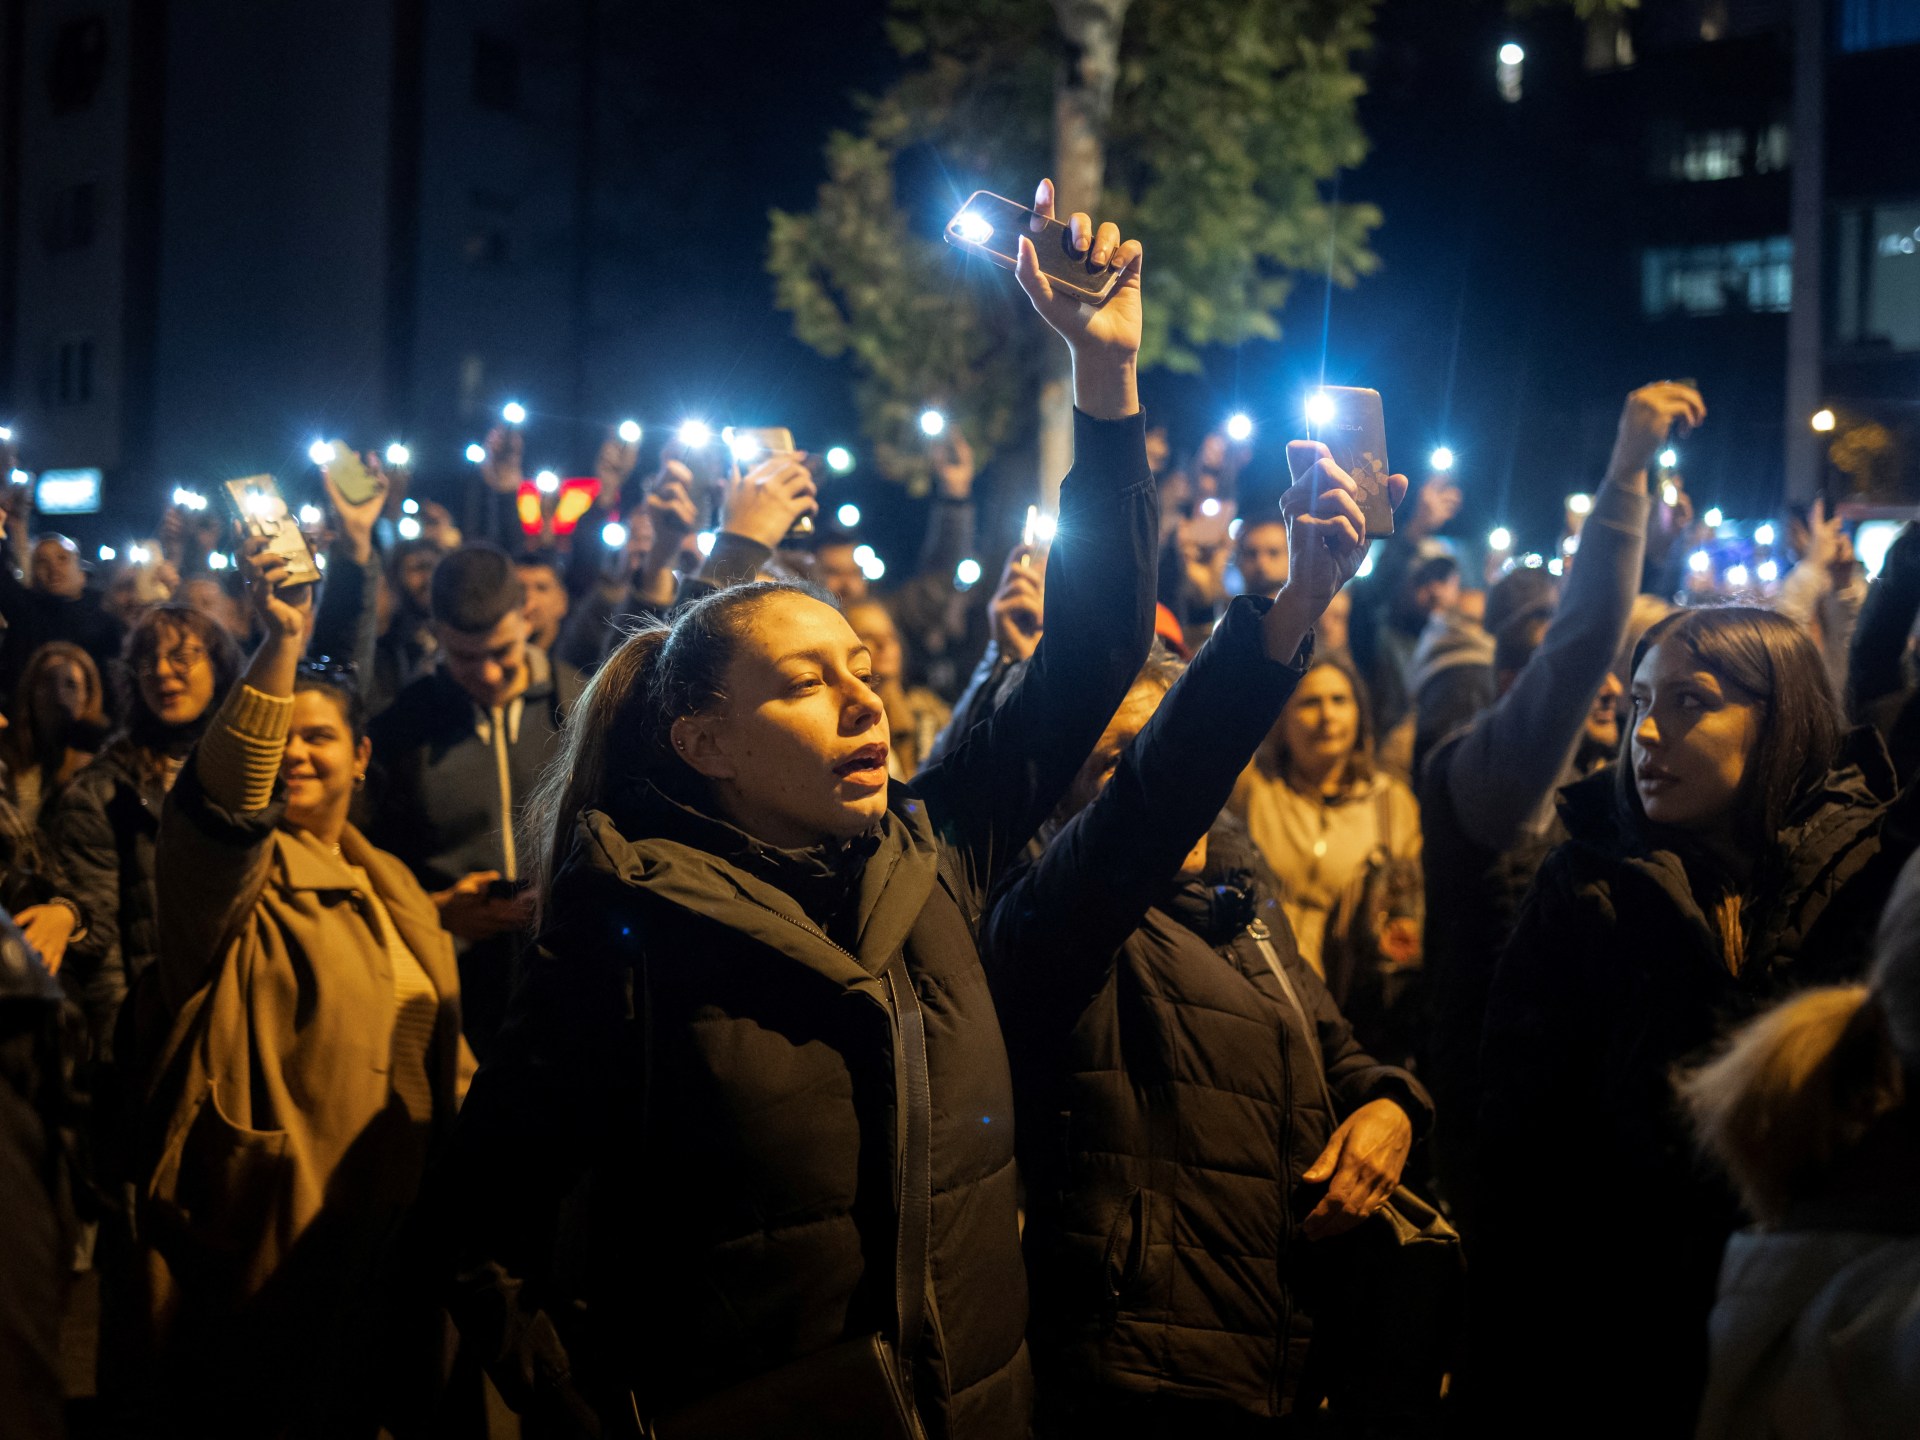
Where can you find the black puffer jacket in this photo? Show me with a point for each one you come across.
(1166, 1117)
(703, 1041)
(102, 830)
(1596, 1211)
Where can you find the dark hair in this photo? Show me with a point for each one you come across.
(1273, 753)
(1162, 669)
(21, 740)
(1434, 570)
(1516, 639)
(619, 736)
(145, 728)
(1521, 589)
(538, 559)
(336, 682)
(1770, 660)
(406, 550)
(475, 588)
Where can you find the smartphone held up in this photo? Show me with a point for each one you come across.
(262, 512)
(1351, 423)
(990, 226)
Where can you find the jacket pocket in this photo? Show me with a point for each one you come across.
(219, 1199)
(1127, 1237)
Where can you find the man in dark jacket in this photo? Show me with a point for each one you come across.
(59, 606)
(1163, 1032)
(460, 751)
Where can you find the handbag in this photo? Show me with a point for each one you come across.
(860, 1389)
(1372, 953)
(1385, 1328)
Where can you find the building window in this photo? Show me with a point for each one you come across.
(1772, 149)
(1752, 276)
(1877, 277)
(71, 218)
(69, 379)
(1877, 24)
(78, 64)
(496, 73)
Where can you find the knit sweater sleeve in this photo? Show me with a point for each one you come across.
(240, 756)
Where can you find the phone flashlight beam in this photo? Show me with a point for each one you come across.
(1240, 427)
(972, 228)
(1319, 408)
(630, 432)
(514, 413)
(933, 424)
(320, 452)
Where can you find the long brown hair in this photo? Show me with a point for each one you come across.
(22, 740)
(1273, 755)
(1770, 660)
(619, 734)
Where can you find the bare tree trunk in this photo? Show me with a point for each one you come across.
(1082, 103)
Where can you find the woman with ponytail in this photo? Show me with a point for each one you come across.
(757, 998)
(1809, 1110)
(1741, 846)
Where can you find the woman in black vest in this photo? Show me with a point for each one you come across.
(1740, 847)
(1197, 1119)
(745, 925)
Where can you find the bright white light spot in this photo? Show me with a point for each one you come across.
(1580, 504)
(310, 515)
(6, 434)
(839, 459)
(848, 515)
(967, 572)
(1556, 567)
(546, 482)
(1511, 54)
(1823, 420)
(139, 554)
(216, 561)
(1240, 427)
(695, 434)
(972, 228)
(1532, 562)
(20, 477)
(320, 452)
(409, 528)
(1045, 527)
(1763, 534)
(1570, 545)
(1714, 518)
(613, 535)
(1699, 562)
(630, 432)
(410, 506)
(1210, 507)
(932, 423)
(399, 456)
(863, 555)
(1441, 459)
(1500, 540)
(476, 453)
(1737, 576)
(107, 552)
(187, 499)
(1768, 571)
(745, 448)
(874, 569)
(1671, 494)
(1366, 565)
(514, 413)
(321, 561)
(1319, 408)
(703, 542)
(1669, 458)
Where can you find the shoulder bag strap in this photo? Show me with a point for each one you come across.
(1272, 957)
(914, 1125)
(1383, 819)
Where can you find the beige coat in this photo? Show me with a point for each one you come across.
(270, 1105)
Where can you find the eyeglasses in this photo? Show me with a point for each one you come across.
(180, 660)
(328, 666)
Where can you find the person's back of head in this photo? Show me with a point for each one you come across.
(1521, 589)
(475, 588)
(1794, 1092)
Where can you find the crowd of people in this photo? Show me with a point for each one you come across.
(1278, 988)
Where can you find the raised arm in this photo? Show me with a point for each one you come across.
(216, 829)
(1501, 773)
(346, 623)
(995, 786)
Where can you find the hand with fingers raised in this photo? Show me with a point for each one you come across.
(1104, 338)
(1326, 541)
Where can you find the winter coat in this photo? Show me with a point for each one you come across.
(1615, 976)
(275, 1157)
(701, 1055)
(1165, 1112)
(102, 831)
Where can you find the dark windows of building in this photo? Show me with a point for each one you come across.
(69, 377)
(1748, 276)
(1728, 153)
(1876, 289)
(71, 218)
(1877, 24)
(496, 72)
(78, 64)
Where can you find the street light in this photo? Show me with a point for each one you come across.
(1239, 427)
(1823, 420)
(1441, 459)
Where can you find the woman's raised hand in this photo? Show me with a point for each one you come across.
(1104, 338)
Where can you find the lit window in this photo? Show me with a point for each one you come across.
(1877, 277)
(1773, 149)
(1876, 24)
(1750, 275)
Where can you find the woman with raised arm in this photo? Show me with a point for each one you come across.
(1196, 1115)
(312, 1057)
(1740, 847)
(753, 943)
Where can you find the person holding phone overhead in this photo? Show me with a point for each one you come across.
(756, 1026)
(308, 1058)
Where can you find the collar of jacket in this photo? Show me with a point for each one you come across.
(1809, 860)
(702, 865)
(306, 864)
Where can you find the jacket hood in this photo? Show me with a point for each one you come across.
(870, 891)
(1450, 640)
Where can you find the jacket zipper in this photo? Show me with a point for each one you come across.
(1259, 933)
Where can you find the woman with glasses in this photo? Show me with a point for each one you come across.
(104, 823)
(305, 1055)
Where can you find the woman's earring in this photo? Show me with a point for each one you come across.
(360, 781)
